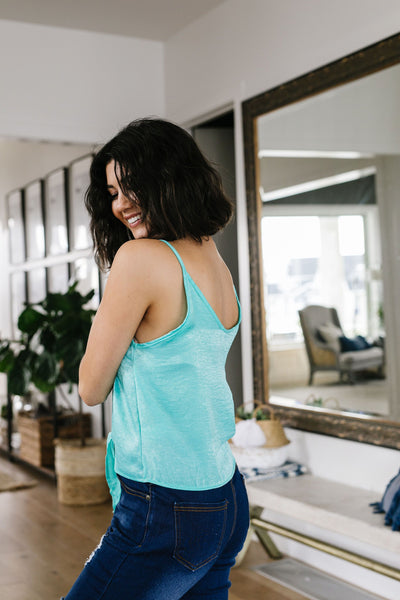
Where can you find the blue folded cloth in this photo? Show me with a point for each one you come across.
(353, 344)
(288, 469)
(390, 503)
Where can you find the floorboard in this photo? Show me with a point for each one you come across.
(44, 545)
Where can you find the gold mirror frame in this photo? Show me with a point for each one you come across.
(369, 60)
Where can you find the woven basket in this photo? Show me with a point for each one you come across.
(80, 472)
(272, 428)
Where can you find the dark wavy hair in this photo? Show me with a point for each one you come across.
(179, 192)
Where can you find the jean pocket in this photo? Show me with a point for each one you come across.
(199, 531)
(129, 524)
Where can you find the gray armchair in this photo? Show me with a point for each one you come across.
(326, 355)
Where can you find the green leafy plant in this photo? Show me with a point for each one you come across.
(312, 401)
(260, 415)
(51, 344)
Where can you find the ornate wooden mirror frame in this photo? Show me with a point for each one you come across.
(354, 66)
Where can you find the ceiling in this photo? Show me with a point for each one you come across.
(149, 19)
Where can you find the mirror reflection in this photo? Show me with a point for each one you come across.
(328, 178)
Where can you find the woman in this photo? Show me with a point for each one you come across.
(160, 340)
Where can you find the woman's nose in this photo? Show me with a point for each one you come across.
(122, 202)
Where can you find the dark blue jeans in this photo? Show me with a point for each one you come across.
(166, 544)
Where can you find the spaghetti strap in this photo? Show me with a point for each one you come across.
(190, 285)
(176, 254)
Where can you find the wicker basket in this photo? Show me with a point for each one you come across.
(272, 428)
(81, 472)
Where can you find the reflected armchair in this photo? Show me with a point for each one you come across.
(322, 330)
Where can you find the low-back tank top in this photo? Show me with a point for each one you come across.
(173, 411)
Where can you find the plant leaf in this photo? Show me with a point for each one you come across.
(56, 302)
(30, 320)
(19, 375)
(46, 371)
(53, 339)
(47, 337)
(88, 297)
(6, 360)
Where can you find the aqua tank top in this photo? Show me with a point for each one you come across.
(173, 412)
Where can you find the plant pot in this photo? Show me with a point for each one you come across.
(81, 472)
(37, 435)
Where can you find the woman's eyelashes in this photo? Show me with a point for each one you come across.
(119, 198)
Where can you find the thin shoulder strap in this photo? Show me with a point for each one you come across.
(176, 254)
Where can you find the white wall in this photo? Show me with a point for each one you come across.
(22, 161)
(243, 48)
(65, 85)
(361, 116)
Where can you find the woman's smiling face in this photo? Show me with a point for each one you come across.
(124, 208)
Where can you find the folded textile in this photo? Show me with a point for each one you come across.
(353, 344)
(390, 503)
(288, 469)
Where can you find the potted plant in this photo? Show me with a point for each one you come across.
(52, 341)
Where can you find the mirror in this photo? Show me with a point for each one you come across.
(322, 159)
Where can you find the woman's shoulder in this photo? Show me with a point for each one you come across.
(144, 248)
(150, 257)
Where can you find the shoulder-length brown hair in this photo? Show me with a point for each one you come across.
(179, 192)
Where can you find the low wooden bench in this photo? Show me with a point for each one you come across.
(328, 516)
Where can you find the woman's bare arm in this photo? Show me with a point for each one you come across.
(127, 296)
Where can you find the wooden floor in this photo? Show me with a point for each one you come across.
(44, 544)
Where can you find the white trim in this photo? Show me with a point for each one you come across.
(312, 154)
(50, 261)
(316, 184)
(323, 210)
(243, 259)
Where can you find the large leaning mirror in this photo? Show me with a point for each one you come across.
(323, 178)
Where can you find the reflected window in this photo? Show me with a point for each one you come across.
(319, 259)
